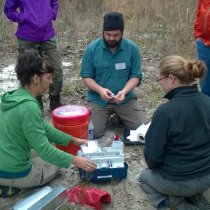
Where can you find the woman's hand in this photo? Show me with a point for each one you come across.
(78, 141)
(84, 163)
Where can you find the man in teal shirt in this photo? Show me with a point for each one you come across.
(111, 70)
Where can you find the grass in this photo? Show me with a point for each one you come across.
(159, 28)
(163, 25)
(156, 94)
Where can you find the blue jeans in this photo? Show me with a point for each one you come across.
(203, 53)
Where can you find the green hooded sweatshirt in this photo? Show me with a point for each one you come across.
(22, 128)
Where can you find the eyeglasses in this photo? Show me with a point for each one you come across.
(158, 80)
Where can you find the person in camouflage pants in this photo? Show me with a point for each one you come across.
(35, 32)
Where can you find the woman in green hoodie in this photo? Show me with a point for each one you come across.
(22, 128)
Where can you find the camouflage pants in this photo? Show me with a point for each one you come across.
(51, 50)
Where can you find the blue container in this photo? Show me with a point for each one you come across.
(104, 174)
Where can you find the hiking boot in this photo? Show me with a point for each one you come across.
(55, 101)
(39, 99)
(6, 192)
(199, 201)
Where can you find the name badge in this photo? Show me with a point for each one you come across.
(119, 66)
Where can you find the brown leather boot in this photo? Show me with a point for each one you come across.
(55, 101)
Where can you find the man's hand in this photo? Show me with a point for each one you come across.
(119, 97)
(130, 85)
(84, 163)
(106, 94)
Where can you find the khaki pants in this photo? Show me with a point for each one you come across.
(130, 113)
(41, 173)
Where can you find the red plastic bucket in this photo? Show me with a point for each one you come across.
(73, 120)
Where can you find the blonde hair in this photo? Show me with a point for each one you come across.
(185, 70)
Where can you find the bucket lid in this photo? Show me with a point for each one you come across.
(71, 112)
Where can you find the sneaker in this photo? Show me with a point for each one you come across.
(163, 205)
(179, 203)
(6, 192)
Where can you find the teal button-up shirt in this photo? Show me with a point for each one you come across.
(111, 70)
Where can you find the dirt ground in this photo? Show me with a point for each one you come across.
(158, 31)
(126, 194)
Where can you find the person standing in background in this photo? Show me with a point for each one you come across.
(202, 36)
(111, 69)
(36, 32)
